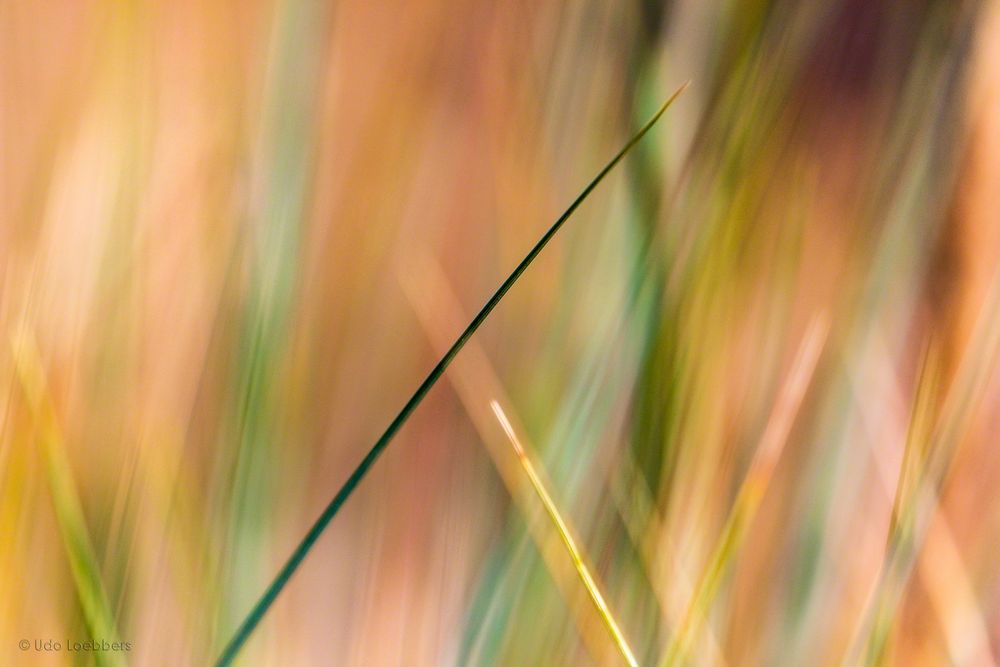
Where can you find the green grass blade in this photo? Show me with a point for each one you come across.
(83, 563)
(308, 541)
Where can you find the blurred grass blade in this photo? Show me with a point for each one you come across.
(751, 492)
(305, 545)
(574, 552)
(900, 531)
(83, 564)
(913, 520)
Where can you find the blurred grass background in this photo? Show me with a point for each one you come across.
(756, 372)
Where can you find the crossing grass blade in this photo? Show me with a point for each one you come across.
(567, 537)
(472, 378)
(83, 563)
(751, 493)
(252, 619)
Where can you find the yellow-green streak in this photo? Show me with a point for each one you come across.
(751, 493)
(574, 552)
(69, 512)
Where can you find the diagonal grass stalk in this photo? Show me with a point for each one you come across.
(913, 522)
(252, 619)
(876, 644)
(943, 574)
(750, 494)
(574, 551)
(97, 610)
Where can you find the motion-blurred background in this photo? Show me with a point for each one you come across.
(756, 371)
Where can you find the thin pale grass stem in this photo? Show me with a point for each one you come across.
(751, 492)
(916, 516)
(574, 551)
(909, 478)
(943, 574)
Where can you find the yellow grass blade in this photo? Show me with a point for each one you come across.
(66, 501)
(574, 552)
(751, 492)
